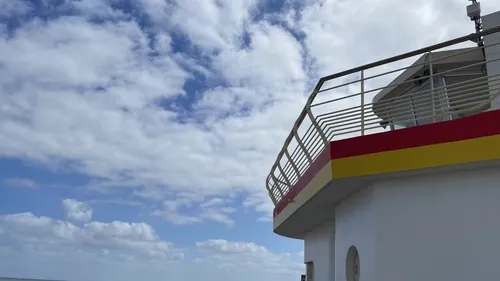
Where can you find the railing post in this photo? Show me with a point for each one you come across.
(431, 77)
(362, 102)
(276, 184)
(302, 146)
(284, 176)
(269, 190)
(316, 125)
(294, 167)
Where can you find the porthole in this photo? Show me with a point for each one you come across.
(352, 266)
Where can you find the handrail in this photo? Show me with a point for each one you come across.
(318, 136)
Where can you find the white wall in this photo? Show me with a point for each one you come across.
(356, 224)
(319, 248)
(444, 227)
(430, 227)
(493, 52)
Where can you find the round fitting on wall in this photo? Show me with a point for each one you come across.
(352, 269)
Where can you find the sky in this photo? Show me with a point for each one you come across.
(136, 136)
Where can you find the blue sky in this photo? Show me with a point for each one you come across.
(135, 136)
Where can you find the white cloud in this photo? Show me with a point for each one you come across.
(170, 212)
(10, 8)
(212, 202)
(20, 182)
(340, 35)
(97, 8)
(76, 211)
(212, 25)
(56, 249)
(43, 234)
(219, 215)
(84, 96)
(271, 49)
(225, 246)
(242, 256)
(156, 9)
(201, 209)
(117, 201)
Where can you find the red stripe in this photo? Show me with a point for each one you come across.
(323, 158)
(480, 125)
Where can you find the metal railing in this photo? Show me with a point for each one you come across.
(450, 84)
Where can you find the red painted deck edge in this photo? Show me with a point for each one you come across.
(323, 158)
(480, 125)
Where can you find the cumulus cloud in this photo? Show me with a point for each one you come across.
(212, 25)
(225, 246)
(59, 249)
(201, 209)
(11, 8)
(96, 111)
(43, 234)
(20, 182)
(242, 256)
(270, 45)
(116, 201)
(256, 202)
(372, 36)
(179, 105)
(76, 211)
(102, 99)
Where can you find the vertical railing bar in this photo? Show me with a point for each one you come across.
(299, 141)
(292, 163)
(270, 192)
(285, 177)
(300, 163)
(431, 77)
(362, 102)
(391, 119)
(316, 126)
(415, 122)
(447, 98)
(276, 183)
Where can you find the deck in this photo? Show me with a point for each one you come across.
(429, 108)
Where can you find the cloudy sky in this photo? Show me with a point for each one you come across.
(135, 135)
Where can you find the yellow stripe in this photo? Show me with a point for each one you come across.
(320, 180)
(466, 151)
(478, 149)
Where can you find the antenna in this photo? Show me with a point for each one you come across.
(474, 13)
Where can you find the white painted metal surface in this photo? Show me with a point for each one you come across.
(356, 225)
(319, 248)
(443, 227)
(428, 227)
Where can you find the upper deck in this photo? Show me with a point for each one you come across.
(435, 107)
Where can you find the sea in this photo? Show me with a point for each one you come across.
(23, 279)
